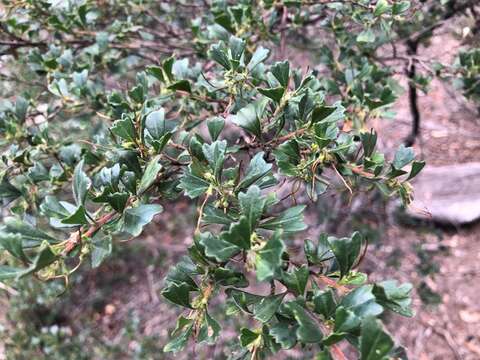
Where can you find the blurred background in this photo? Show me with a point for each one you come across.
(116, 312)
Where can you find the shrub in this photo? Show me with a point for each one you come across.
(107, 126)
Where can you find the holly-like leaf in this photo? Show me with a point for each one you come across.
(265, 309)
(252, 204)
(150, 174)
(375, 343)
(269, 258)
(81, 184)
(346, 251)
(394, 297)
(218, 248)
(284, 334)
(248, 118)
(281, 71)
(417, 166)
(124, 128)
(257, 173)
(296, 279)
(362, 302)
(209, 331)
(44, 258)
(178, 294)
(78, 217)
(258, 56)
(308, 330)
(192, 183)
(13, 244)
(248, 336)
(8, 192)
(31, 236)
(219, 54)
(275, 93)
(403, 156)
(215, 126)
(180, 335)
(239, 233)
(287, 156)
(325, 304)
(134, 219)
(215, 155)
(290, 221)
(101, 248)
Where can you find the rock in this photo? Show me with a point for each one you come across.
(448, 194)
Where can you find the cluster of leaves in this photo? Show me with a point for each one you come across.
(113, 127)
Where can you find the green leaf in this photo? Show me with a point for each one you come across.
(281, 71)
(118, 200)
(275, 93)
(265, 309)
(215, 126)
(362, 302)
(269, 258)
(239, 233)
(247, 337)
(324, 303)
(134, 219)
(287, 156)
(178, 294)
(308, 331)
(8, 192)
(403, 156)
(101, 248)
(218, 53)
(81, 184)
(243, 299)
(192, 184)
(182, 273)
(229, 277)
(318, 253)
(252, 204)
(215, 155)
(124, 128)
(9, 272)
(400, 7)
(375, 343)
(13, 244)
(296, 280)
(381, 7)
(258, 56)
(156, 130)
(322, 112)
(218, 248)
(182, 85)
(150, 174)
(237, 47)
(31, 236)
(284, 334)
(394, 297)
(417, 166)
(78, 217)
(21, 107)
(44, 258)
(180, 335)
(248, 118)
(290, 221)
(346, 251)
(366, 36)
(256, 173)
(209, 331)
(345, 320)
